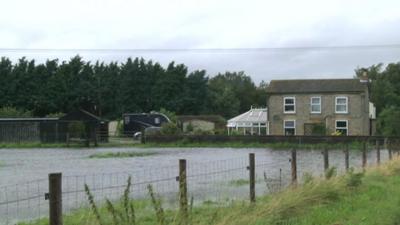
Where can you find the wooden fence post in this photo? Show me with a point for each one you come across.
(95, 138)
(294, 166)
(67, 139)
(326, 159)
(183, 199)
(378, 152)
(55, 199)
(364, 155)
(252, 175)
(346, 157)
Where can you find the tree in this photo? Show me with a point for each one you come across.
(225, 103)
(240, 85)
(389, 121)
(111, 89)
(195, 93)
(385, 94)
(168, 89)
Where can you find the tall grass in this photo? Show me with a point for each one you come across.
(119, 216)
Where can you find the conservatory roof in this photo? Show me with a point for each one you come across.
(254, 115)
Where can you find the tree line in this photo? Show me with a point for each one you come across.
(111, 89)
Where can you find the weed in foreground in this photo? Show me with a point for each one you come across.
(124, 216)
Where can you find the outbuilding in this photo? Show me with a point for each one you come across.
(252, 122)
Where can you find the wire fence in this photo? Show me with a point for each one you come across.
(219, 182)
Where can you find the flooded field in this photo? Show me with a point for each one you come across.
(214, 174)
(22, 165)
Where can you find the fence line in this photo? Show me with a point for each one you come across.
(218, 181)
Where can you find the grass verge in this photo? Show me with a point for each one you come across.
(185, 144)
(120, 154)
(277, 146)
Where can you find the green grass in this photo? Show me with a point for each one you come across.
(367, 199)
(277, 146)
(121, 154)
(28, 145)
(242, 182)
(32, 145)
(186, 144)
(239, 182)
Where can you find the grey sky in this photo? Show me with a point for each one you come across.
(160, 24)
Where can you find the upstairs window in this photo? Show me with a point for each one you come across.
(289, 105)
(342, 127)
(315, 104)
(289, 126)
(341, 105)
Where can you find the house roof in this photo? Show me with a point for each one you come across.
(316, 86)
(28, 119)
(80, 114)
(252, 116)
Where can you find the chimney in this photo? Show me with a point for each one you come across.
(364, 77)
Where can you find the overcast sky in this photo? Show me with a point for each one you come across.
(215, 24)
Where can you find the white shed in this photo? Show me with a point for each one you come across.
(252, 122)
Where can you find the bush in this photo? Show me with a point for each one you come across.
(236, 132)
(170, 129)
(189, 128)
(354, 180)
(331, 172)
(120, 128)
(203, 132)
(307, 178)
(220, 131)
(55, 115)
(389, 121)
(11, 112)
(319, 129)
(171, 115)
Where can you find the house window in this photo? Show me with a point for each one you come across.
(342, 127)
(289, 127)
(341, 104)
(315, 104)
(289, 104)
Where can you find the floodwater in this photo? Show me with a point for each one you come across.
(213, 174)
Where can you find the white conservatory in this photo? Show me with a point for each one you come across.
(252, 122)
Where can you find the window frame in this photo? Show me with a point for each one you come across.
(347, 126)
(284, 126)
(320, 105)
(336, 104)
(294, 105)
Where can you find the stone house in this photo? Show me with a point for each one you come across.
(320, 107)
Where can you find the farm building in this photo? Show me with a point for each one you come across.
(252, 122)
(29, 130)
(77, 124)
